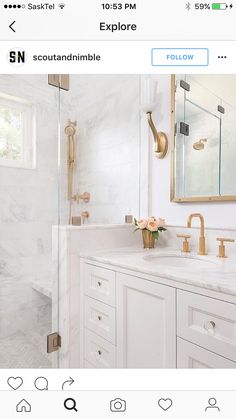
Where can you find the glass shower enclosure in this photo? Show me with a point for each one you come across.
(67, 159)
(29, 207)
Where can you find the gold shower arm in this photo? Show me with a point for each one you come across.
(160, 139)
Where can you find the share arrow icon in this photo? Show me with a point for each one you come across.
(67, 383)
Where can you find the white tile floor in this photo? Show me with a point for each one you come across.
(22, 351)
(24, 328)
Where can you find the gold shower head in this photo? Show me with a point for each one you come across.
(200, 144)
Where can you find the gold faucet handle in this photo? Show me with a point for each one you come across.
(186, 237)
(223, 240)
(84, 215)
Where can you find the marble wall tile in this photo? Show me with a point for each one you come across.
(106, 108)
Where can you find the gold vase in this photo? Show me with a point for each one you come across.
(148, 240)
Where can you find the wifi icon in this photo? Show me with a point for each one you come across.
(61, 5)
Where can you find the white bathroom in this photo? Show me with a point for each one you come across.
(117, 221)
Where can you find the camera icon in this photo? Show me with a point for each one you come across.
(118, 405)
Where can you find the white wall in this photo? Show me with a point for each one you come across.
(221, 214)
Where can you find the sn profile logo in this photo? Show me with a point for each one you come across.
(17, 57)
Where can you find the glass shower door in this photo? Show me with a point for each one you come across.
(29, 207)
(99, 182)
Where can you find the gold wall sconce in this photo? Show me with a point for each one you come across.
(200, 144)
(149, 103)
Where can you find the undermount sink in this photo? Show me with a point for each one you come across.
(182, 261)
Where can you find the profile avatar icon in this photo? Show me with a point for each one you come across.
(212, 404)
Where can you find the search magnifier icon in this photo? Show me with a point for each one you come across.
(70, 404)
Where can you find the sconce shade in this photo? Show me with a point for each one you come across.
(149, 95)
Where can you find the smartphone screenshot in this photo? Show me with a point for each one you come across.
(117, 209)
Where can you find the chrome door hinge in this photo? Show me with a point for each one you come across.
(185, 85)
(53, 342)
(221, 109)
(184, 129)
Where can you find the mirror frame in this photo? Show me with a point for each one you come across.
(173, 198)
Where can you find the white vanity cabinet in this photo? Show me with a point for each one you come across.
(206, 329)
(98, 317)
(127, 322)
(146, 333)
(207, 322)
(190, 355)
(132, 320)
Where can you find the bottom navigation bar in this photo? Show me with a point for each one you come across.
(132, 404)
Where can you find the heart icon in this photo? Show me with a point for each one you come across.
(15, 382)
(165, 404)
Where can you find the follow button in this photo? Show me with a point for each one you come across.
(181, 57)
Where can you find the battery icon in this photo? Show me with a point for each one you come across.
(219, 6)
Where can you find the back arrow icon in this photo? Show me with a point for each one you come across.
(11, 26)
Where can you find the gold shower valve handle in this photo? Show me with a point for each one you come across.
(223, 240)
(82, 197)
(85, 215)
(186, 237)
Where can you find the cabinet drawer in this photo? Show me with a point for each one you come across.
(99, 283)
(192, 356)
(207, 322)
(100, 318)
(98, 351)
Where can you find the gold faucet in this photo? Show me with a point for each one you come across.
(202, 242)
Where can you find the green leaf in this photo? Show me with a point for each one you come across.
(155, 234)
(135, 222)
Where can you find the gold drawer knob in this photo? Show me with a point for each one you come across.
(223, 240)
(186, 237)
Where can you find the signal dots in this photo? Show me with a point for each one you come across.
(14, 6)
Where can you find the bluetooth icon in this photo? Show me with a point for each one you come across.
(188, 6)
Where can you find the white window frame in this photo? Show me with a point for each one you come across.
(28, 160)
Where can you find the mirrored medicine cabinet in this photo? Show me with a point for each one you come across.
(203, 148)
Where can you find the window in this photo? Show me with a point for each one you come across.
(16, 132)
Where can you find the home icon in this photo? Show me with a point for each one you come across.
(23, 407)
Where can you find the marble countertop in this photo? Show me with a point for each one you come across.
(218, 274)
(95, 226)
